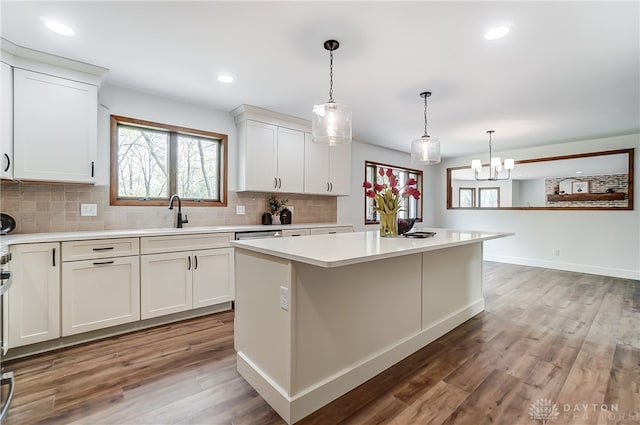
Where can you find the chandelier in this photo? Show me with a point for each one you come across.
(495, 165)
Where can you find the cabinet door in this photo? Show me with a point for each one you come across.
(340, 169)
(6, 135)
(290, 160)
(165, 284)
(100, 293)
(260, 156)
(55, 128)
(213, 277)
(34, 297)
(316, 166)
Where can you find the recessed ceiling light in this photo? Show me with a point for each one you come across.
(60, 28)
(226, 78)
(496, 33)
(578, 172)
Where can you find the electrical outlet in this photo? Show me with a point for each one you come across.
(88, 210)
(290, 208)
(284, 298)
(240, 209)
(556, 252)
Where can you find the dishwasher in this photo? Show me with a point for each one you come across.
(258, 234)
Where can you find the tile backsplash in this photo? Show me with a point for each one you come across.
(51, 207)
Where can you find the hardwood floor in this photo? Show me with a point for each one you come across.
(568, 337)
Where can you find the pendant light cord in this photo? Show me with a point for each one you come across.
(425, 117)
(331, 77)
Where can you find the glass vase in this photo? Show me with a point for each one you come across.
(388, 225)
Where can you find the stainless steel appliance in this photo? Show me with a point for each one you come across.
(6, 378)
(258, 234)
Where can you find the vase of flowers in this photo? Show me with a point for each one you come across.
(275, 207)
(389, 198)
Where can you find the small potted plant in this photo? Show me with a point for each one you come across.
(275, 207)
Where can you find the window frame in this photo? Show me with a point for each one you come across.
(396, 168)
(473, 196)
(486, 189)
(173, 131)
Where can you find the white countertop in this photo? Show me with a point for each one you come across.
(7, 240)
(351, 248)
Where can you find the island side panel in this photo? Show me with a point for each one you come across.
(346, 316)
(262, 327)
(452, 291)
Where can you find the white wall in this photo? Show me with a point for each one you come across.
(132, 104)
(351, 208)
(598, 242)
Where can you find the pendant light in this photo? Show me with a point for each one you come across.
(425, 150)
(331, 121)
(495, 165)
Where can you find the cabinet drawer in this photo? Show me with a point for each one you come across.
(173, 243)
(99, 248)
(331, 230)
(295, 232)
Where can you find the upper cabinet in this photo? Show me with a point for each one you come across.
(55, 128)
(51, 134)
(275, 154)
(6, 135)
(327, 169)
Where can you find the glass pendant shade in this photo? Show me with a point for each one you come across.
(476, 165)
(425, 150)
(496, 163)
(331, 123)
(509, 164)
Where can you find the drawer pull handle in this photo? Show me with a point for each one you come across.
(53, 257)
(102, 263)
(103, 249)
(332, 233)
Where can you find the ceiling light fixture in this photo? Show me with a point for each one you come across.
(331, 121)
(495, 165)
(226, 78)
(496, 33)
(60, 28)
(426, 149)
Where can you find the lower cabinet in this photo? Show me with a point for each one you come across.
(99, 293)
(34, 298)
(331, 230)
(178, 281)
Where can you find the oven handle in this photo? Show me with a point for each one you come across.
(6, 282)
(7, 378)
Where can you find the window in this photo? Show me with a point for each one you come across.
(412, 208)
(467, 197)
(152, 161)
(489, 197)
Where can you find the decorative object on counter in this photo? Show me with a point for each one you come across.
(420, 235)
(610, 190)
(426, 149)
(405, 224)
(495, 165)
(331, 121)
(266, 218)
(285, 216)
(388, 198)
(7, 224)
(275, 207)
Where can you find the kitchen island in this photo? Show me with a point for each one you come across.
(317, 316)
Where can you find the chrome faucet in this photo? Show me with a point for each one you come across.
(180, 220)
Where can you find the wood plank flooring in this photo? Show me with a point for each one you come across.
(568, 337)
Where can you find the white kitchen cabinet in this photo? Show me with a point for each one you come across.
(100, 293)
(34, 298)
(54, 128)
(213, 277)
(331, 230)
(6, 135)
(181, 272)
(271, 158)
(165, 284)
(295, 232)
(327, 169)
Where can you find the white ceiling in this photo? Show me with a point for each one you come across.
(566, 71)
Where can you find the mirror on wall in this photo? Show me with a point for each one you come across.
(587, 181)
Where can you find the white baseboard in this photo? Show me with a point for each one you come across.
(570, 267)
(293, 408)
